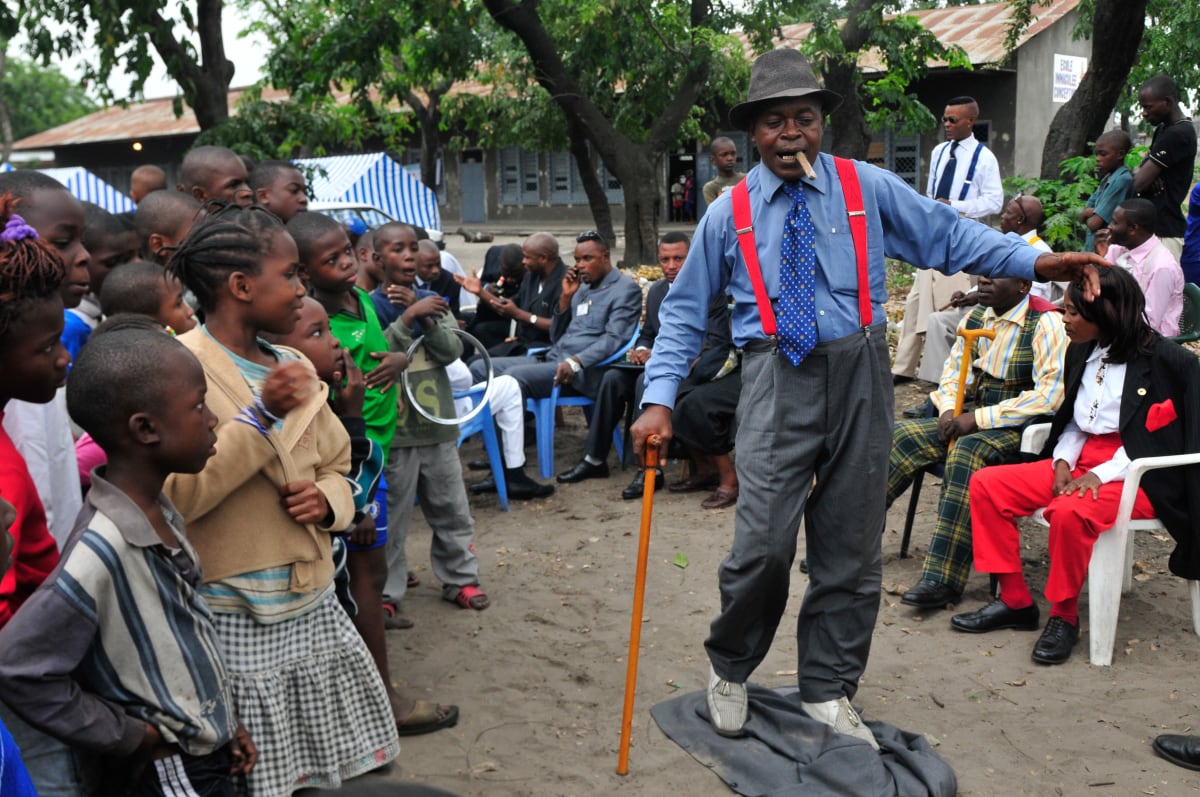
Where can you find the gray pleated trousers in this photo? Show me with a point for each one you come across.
(812, 442)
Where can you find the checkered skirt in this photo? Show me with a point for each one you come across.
(308, 692)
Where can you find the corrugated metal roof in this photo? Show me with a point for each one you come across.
(147, 119)
(979, 30)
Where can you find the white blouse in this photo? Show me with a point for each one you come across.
(1097, 411)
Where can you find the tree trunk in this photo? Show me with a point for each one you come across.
(1117, 27)
(429, 122)
(639, 176)
(597, 198)
(633, 164)
(851, 136)
(205, 85)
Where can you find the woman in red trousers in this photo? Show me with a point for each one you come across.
(1130, 393)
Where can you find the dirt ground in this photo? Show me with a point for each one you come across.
(539, 676)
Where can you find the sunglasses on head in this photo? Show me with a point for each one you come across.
(590, 235)
(950, 120)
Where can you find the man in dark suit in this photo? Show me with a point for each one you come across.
(619, 386)
(536, 300)
(596, 316)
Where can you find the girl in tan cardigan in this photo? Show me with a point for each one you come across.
(262, 512)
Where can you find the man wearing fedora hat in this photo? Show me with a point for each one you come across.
(815, 413)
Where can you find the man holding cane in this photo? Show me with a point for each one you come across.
(816, 401)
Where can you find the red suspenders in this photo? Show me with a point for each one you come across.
(744, 227)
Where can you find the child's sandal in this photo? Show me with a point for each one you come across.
(472, 597)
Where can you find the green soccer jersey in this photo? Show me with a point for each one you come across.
(362, 334)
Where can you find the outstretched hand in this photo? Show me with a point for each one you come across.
(1073, 267)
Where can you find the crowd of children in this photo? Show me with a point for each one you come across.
(188, 504)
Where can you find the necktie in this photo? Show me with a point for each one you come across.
(797, 280)
(946, 181)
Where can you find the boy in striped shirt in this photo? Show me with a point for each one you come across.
(116, 652)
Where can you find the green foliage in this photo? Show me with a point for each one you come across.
(39, 98)
(265, 129)
(907, 50)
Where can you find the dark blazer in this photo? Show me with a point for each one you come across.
(543, 304)
(1169, 372)
(654, 299)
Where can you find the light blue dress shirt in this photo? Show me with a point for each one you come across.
(901, 224)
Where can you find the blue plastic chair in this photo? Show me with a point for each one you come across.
(482, 424)
(543, 410)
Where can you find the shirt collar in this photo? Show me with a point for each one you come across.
(1098, 353)
(1140, 253)
(1029, 236)
(771, 184)
(133, 524)
(1015, 314)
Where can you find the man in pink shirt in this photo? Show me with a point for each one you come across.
(1135, 248)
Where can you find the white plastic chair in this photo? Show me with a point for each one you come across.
(1110, 573)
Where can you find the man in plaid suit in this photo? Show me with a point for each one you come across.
(1015, 378)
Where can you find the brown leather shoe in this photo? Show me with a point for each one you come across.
(695, 483)
(721, 498)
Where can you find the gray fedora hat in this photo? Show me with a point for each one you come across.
(780, 75)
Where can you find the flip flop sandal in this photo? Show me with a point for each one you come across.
(393, 620)
(427, 717)
(413, 580)
(472, 597)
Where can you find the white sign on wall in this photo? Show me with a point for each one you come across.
(1068, 71)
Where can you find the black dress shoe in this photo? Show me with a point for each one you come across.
(527, 488)
(804, 566)
(900, 379)
(479, 464)
(488, 485)
(638, 486)
(1055, 644)
(996, 616)
(929, 594)
(922, 410)
(584, 470)
(1179, 749)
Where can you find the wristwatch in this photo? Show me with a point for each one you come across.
(533, 318)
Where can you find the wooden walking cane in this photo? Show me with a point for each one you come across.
(650, 464)
(969, 337)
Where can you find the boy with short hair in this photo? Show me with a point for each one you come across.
(148, 289)
(280, 188)
(423, 460)
(1116, 184)
(723, 155)
(162, 220)
(215, 173)
(140, 676)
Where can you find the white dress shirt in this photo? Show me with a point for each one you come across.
(1097, 411)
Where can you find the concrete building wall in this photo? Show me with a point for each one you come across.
(1035, 78)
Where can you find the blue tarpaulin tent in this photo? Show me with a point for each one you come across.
(373, 179)
(88, 187)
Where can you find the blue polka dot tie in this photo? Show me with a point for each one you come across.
(797, 328)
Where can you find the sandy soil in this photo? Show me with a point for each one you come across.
(540, 675)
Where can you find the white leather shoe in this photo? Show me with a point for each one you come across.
(727, 705)
(841, 716)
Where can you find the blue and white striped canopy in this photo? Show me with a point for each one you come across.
(373, 179)
(88, 187)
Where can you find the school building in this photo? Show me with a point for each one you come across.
(476, 186)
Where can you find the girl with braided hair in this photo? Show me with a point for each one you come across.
(262, 513)
(33, 363)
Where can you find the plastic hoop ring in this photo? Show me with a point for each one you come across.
(487, 390)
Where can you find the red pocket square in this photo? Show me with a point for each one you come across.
(1160, 415)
